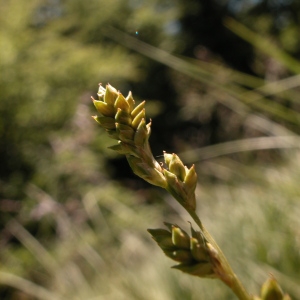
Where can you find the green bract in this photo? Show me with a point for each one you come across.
(191, 252)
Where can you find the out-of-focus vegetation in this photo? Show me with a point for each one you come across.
(225, 95)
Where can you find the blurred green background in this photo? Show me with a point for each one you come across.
(221, 80)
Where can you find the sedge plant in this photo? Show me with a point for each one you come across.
(197, 254)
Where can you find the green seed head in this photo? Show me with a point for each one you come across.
(127, 124)
(189, 252)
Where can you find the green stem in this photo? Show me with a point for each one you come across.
(226, 273)
(231, 279)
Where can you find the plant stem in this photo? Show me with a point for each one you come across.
(230, 279)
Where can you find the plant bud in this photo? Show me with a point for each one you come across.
(198, 252)
(168, 158)
(104, 109)
(141, 134)
(163, 238)
(175, 165)
(123, 117)
(106, 122)
(271, 290)
(199, 237)
(138, 118)
(138, 109)
(180, 238)
(122, 104)
(101, 91)
(126, 133)
(181, 191)
(110, 94)
(173, 185)
(190, 180)
(148, 126)
(176, 188)
(130, 101)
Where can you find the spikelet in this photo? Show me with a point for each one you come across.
(191, 253)
(125, 122)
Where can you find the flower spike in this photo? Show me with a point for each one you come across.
(126, 123)
(191, 253)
